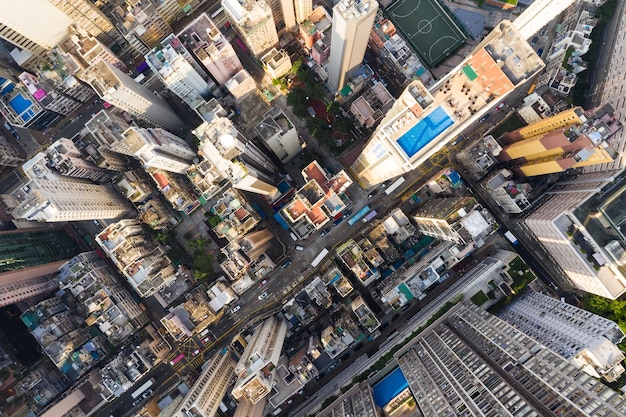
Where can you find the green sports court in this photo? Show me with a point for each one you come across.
(428, 28)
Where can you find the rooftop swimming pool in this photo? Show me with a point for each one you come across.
(425, 131)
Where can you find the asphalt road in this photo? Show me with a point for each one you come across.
(163, 375)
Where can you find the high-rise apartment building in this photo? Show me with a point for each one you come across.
(172, 63)
(87, 273)
(352, 23)
(538, 15)
(9, 156)
(253, 20)
(584, 339)
(34, 26)
(211, 48)
(118, 89)
(105, 130)
(420, 122)
(30, 260)
(143, 23)
(86, 14)
(234, 158)
(587, 264)
(203, 399)
(140, 260)
(303, 8)
(571, 139)
(469, 362)
(66, 159)
(87, 49)
(156, 148)
(358, 401)
(30, 282)
(263, 349)
(50, 197)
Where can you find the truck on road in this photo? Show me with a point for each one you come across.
(143, 388)
(511, 238)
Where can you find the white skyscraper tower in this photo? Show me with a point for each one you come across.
(539, 14)
(303, 9)
(34, 26)
(118, 89)
(156, 148)
(173, 65)
(224, 148)
(50, 197)
(352, 23)
(253, 20)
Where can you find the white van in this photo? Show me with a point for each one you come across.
(299, 248)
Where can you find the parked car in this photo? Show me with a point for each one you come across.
(235, 309)
(206, 340)
(196, 352)
(263, 295)
(263, 283)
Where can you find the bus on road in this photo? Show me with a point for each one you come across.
(177, 359)
(359, 215)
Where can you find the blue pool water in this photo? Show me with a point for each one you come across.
(425, 131)
(20, 104)
(389, 387)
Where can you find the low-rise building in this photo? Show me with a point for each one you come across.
(370, 107)
(353, 258)
(277, 63)
(320, 200)
(366, 317)
(510, 195)
(143, 262)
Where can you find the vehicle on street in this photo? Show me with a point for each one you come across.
(195, 352)
(324, 232)
(372, 194)
(177, 359)
(300, 248)
(500, 106)
(263, 295)
(485, 118)
(320, 376)
(511, 237)
(206, 340)
(263, 283)
(147, 394)
(235, 309)
(286, 264)
(347, 214)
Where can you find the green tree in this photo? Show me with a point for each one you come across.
(196, 245)
(297, 99)
(214, 221)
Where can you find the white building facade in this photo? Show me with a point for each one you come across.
(352, 23)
